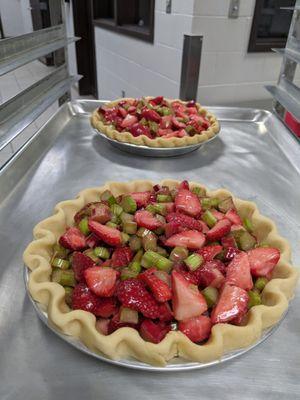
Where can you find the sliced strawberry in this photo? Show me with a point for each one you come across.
(196, 329)
(191, 277)
(132, 293)
(106, 307)
(116, 323)
(228, 241)
(230, 253)
(101, 281)
(232, 303)
(263, 260)
(164, 132)
(101, 213)
(177, 124)
(132, 109)
(150, 115)
(92, 241)
(187, 202)
(165, 312)
(217, 214)
(181, 133)
(184, 185)
(166, 122)
(238, 272)
(193, 240)
(171, 228)
(156, 100)
(184, 220)
(210, 252)
(109, 235)
(178, 106)
(233, 217)
(170, 207)
(160, 289)
(210, 275)
(142, 199)
(138, 130)
(73, 239)
(147, 220)
(106, 263)
(187, 301)
(122, 112)
(128, 121)
(205, 228)
(102, 325)
(221, 229)
(84, 299)
(80, 262)
(121, 257)
(153, 332)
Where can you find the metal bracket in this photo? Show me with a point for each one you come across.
(234, 9)
(168, 6)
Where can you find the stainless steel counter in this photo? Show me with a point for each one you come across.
(254, 157)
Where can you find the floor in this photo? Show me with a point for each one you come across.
(13, 83)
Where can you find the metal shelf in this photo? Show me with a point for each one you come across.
(285, 99)
(19, 112)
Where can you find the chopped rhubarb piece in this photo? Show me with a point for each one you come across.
(232, 303)
(121, 257)
(221, 229)
(109, 235)
(210, 252)
(254, 299)
(80, 262)
(192, 240)
(233, 217)
(238, 272)
(187, 202)
(132, 293)
(184, 220)
(263, 260)
(196, 329)
(158, 287)
(228, 241)
(102, 325)
(115, 323)
(187, 301)
(153, 332)
(101, 281)
(73, 239)
(141, 198)
(147, 220)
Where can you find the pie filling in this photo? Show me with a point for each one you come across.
(155, 117)
(162, 260)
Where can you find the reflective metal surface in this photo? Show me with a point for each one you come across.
(177, 364)
(253, 156)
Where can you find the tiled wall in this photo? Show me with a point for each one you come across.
(228, 74)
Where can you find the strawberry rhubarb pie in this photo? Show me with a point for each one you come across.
(155, 122)
(155, 272)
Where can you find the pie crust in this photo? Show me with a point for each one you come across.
(126, 342)
(143, 140)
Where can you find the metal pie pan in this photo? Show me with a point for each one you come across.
(177, 364)
(147, 151)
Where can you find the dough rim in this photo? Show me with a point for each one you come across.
(127, 137)
(126, 342)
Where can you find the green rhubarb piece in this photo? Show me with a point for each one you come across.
(153, 126)
(135, 243)
(64, 278)
(248, 224)
(163, 198)
(197, 190)
(116, 209)
(90, 253)
(129, 204)
(260, 283)
(141, 232)
(246, 241)
(111, 224)
(127, 273)
(179, 254)
(254, 298)
(130, 227)
(214, 201)
(135, 266)
(157, 208)
(211, 295)
(149, 242)
(68, 295)
(84, 226)
(205, 203)
(153, 259)
(102, 252)
(125, 237)
(108, 197)
(226, 204)
(161, 251)
(173, 193)
(138, 256)
(143, 122)
(189, 129)
(60, 251)
(128, 315)
(164, 111)
(125, 217)
(115, 219)
(60, 263)
(209, 219)
(194, 261)
(262, 244)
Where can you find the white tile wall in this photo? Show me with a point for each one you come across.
(221, 7)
